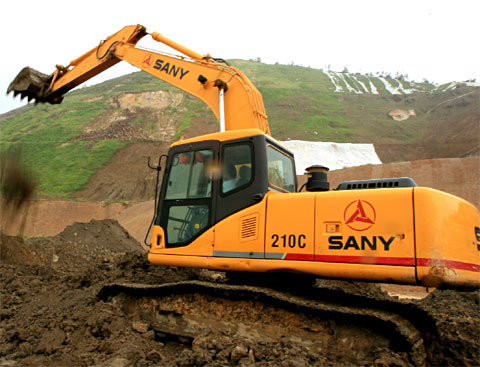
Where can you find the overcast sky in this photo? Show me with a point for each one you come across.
(433, 39)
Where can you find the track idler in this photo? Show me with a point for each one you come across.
(32, 84)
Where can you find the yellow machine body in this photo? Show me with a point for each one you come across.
(412, 235)
(406, 243)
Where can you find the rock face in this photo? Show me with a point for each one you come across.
(400, 115)
(155, 99)
(145, 116)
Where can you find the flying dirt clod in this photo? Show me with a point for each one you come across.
(17, 185)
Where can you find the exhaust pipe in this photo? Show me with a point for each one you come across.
(317, 178)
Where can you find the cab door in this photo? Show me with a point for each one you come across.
(187, 208)
(240, 208)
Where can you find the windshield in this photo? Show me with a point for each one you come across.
(190, 175)
(189, 189)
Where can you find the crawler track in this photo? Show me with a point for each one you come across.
(314, 317)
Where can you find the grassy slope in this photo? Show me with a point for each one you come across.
(298, 102)
(42, 133)
(301, 104)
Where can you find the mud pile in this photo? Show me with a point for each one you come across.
(51, 314)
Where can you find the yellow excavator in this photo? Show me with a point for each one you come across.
(229, 201)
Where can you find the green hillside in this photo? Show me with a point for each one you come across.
(65, 144)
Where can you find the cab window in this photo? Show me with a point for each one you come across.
(237, 167)
(190, 175)
(186, 221)
(280, 170)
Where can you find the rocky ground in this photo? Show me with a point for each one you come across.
(51, 315)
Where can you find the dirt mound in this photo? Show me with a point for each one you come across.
(50, 314)
(73, 250)
(50, 217)
(105, 234)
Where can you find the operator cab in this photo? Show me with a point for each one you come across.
(205, 181)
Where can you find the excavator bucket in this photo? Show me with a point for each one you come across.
(32, 84)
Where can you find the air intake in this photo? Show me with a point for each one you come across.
(381, 183)
(248, 227)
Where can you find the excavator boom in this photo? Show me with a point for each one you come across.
(232, 97)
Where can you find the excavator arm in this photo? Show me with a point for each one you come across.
(43, 88)
(232, 97)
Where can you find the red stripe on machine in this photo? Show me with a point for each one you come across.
(452, 264)
(395, 261)
(402, 261)
(302, 257)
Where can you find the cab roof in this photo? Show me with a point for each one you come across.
(221, 136)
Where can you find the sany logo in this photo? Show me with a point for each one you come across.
(147, 61)
(359, 215)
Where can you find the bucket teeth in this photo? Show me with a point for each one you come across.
(29, 83)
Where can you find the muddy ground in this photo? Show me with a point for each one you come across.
(51, 315)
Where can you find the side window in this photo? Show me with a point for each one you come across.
(237, 167)
(280, 170)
